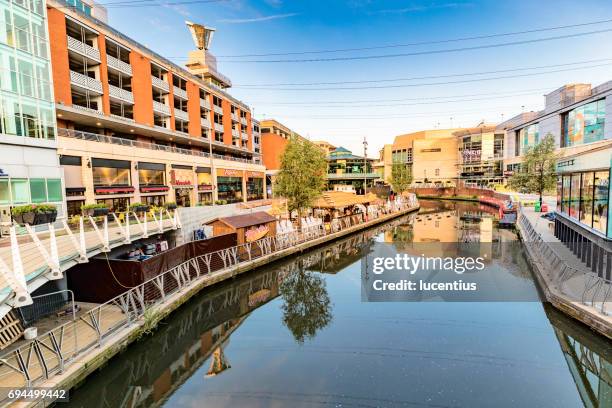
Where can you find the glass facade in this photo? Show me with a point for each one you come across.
(255, 188)
(584, 197)
(26, 100)
(17, 191)
(585, 124)
(529, 136)
(229, 189)
(151, 177)
(110, 176)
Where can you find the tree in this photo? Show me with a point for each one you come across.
(301, 177)
(307, 306)
(537, 172)
(401, 177)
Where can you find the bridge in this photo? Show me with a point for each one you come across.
(34, 255)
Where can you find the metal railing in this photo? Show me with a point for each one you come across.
(122, 94)
(204, 103)
(205, 122)
(181, 93)
(119, 65)
(333, 176)
(86, 82)
(161, 108)
(52, 352)
(234, 117)
(218, 127)
(180, 114)
(160, 84)
(83, 49)
(243, 120)
(218, 109)
(592, 290)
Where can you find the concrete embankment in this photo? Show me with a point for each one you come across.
(87, 363)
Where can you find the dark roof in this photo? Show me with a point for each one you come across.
(246, 220)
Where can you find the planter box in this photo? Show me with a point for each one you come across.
(32, 218)
(171, 207)
(141, 208)
(96, 212)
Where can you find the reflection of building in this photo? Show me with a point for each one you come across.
(431, 155)
(481, 153)
(29, 168)
(347, 172)
(135, 127)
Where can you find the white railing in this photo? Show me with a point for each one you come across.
(234, 117)
(160, 84)
(118, 65)
(161, 108)
(94, 328)
(119, 93)
(218, 127)
(218, 109)
(235, 133)
(181, 93)
(83, 49)
(245, 136)
(88, 110)
(243, 120)
(204, 104)
(181, 114)
(205, 122)
(86, 82)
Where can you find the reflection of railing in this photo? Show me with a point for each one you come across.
(593, 290)
(97, 325)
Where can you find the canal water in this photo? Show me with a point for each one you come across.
(296, 334)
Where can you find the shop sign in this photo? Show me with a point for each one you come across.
(114, 190)
(508, 173)
(205, 187)
(255, 174)
(231, 173)
(179, 177)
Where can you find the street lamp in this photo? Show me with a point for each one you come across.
(365, 164)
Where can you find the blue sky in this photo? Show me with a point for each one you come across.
(345, 116)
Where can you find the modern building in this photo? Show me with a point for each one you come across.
(274, 139)
(481, 155)
(431, 155)
(326, 146)
(347, 172)
(29, 166)
(384, 164)
(135, 127)
(577, 117)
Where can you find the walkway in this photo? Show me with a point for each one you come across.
(567, 282)
(32, 258)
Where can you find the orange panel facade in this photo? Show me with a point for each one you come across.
(272, 148)
(104, 74)
(142, 88)
(193, 107)
(58, 41)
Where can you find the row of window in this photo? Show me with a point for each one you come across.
(17, 191)
(584, 197)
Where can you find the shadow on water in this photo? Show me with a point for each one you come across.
(198, 335)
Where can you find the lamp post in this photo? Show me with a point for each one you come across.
(365, 164)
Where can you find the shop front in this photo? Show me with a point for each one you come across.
(152, 181)
(205, 185)
(229, 185)
(112, 178)
(182, 179)
(73, 183)
(255, 185)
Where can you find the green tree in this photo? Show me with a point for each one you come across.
(537, 172)
(401, 177)
(301, 177)
(307, 306)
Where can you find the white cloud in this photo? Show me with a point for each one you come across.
(421, 8)
(256, 19)
(182, 10)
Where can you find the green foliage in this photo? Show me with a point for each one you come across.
(401, 177)
(86, 207)
(538, 169)
(33, 208)
(301, 178)
(221, 202)
(137, 204)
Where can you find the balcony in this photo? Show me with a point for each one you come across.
(118, 65)
(121, 94)
(204, 104)
(85, 82)
(161, 108)
(83, 49)
(235, 133)
(218, 127)
(160, 84)
(180, 114)
(243, 120)
(234, 117)
(179, 93)
(205, 122)
(245, 136)
(218, 109)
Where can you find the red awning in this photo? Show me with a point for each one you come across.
(154, 189)
(114, 190)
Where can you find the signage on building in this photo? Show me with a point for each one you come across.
(565, 163)
(508, 173)
(181, 177)
(205, 187)
(230, 173)
(255, 174)
(2, 173)
(471, 155)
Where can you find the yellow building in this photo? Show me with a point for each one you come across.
(430, 154)
(385, 162)
(326, 146)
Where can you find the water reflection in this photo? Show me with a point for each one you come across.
(267, 338)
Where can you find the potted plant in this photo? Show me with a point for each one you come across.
(94, 210)
(139, 207)
(34, 214)
(171, 205)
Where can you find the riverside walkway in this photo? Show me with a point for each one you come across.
(67, 354)
(567, 282)
(32, 256)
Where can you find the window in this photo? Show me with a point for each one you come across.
(20, 193)
(566, 194)
(574, 196)
(38, 190)
(74, 207)
(584, 124)
(151, 177)
(5, 195)
(600, 202)
(107, 176)
(586, 198)
(54, 190)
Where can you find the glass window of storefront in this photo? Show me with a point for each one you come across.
(20, 193)
(54, 190)
(151, 177)
(155, 200)
(74, 207)
(229, 189)
(584, 196)
(116, 204)
(108, 176)
(254, 188)
(5, 192)
(529, 136)
(38, 190)
(585, 124)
